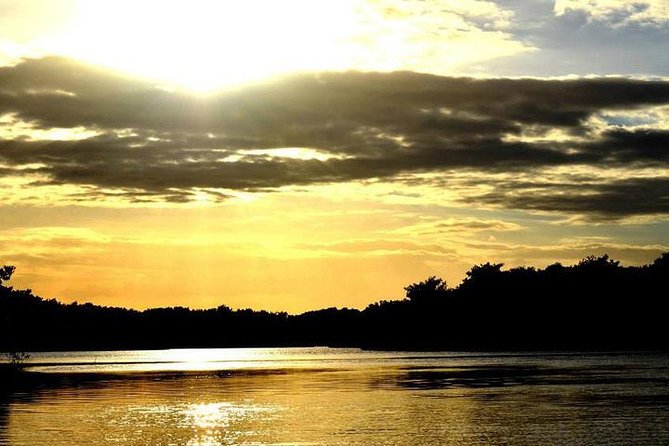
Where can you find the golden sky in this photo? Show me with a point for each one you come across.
(305, 154)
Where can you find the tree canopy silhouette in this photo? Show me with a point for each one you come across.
(6, 273)
(595, 304)
(429, 290)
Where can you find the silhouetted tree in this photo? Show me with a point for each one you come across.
(6, 273)
(596, 304)
(16, 357)
(602, 263)
(662, 262)
(483, 272)
(429, 290)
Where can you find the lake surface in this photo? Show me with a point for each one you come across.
(320, 396)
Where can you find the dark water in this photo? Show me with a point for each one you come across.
(338, 397)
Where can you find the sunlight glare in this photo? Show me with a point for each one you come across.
(204, 44)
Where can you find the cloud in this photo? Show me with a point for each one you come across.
(379, 35)
(484, 12)
(377, 248)
(618, 12)
(582, 37)
(437, 37)
(461, 226)
(146, 143)
(615, 199)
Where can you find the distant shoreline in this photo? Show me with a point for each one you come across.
(596, 305)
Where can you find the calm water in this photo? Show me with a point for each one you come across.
(337, 397)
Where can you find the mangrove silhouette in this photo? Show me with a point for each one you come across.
(594, 305)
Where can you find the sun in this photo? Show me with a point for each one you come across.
(208, 44)
(205, 45)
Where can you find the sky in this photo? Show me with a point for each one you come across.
(306, 154)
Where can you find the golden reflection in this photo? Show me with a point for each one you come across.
(209, 415)
(367, 399)
(206, 419)
(210, 422)
(296, 408)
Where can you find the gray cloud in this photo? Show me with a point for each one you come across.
(367, 125)
(571, 43)
(615, 199)
(635, 146)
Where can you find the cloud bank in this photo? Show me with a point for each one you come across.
(146, 143)
(618, 12)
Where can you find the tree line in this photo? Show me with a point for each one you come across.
(596, 304)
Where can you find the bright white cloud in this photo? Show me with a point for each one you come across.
(438, 37)
(486, 12)
(12, 128)
(640, 119)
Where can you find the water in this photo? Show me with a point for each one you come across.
(337, 397)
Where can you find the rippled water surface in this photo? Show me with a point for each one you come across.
(337, 397)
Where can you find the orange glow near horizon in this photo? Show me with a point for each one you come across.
(262, 254)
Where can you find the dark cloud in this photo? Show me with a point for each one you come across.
(616, 199)
(370, 125)
(645, 145)
(58, 92)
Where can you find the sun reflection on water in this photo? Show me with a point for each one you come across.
(182, 360)
(211, 422)
(211, 415)
(359, 399)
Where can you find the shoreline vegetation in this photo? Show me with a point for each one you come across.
(596, 304)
